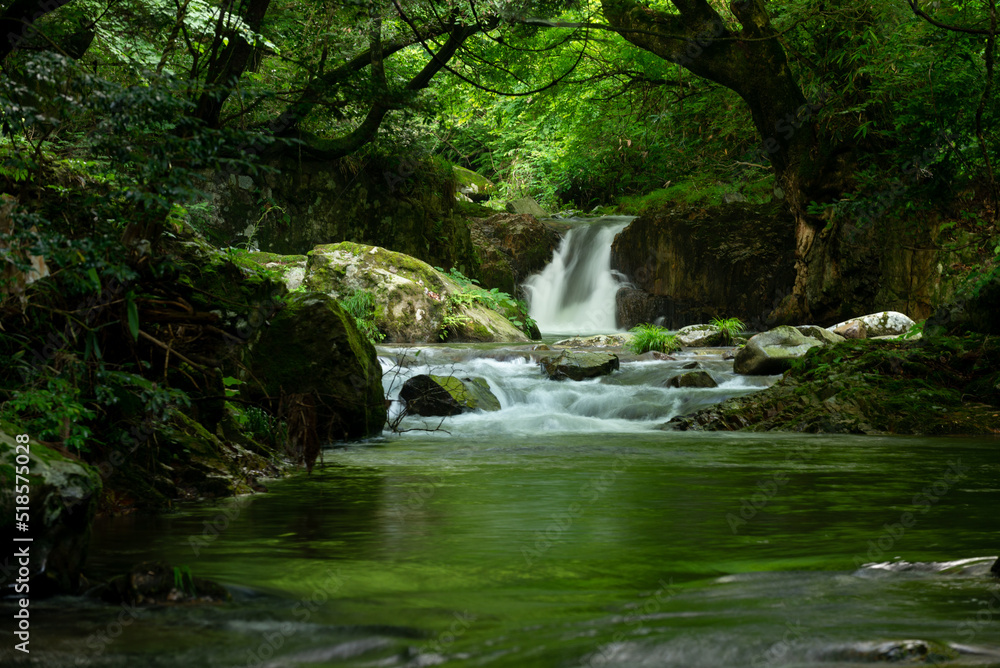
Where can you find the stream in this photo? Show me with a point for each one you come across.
(567, 530)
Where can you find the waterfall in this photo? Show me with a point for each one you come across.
(575, 293)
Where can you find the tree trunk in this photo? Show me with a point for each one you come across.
(753, 63)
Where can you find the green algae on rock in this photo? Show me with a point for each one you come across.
(940, 387)
(412, 298)
(574, 365)
(433, 395)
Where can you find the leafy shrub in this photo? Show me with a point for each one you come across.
(515, 310)
(361, 305)
(652, 337)
(729, 328)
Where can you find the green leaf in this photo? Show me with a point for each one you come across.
(133, 317)
(95, 279)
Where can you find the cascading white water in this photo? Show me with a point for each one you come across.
(575, 293)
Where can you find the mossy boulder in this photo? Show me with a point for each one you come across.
(291, 269)
(413, 300)
(312, 353)
(596, 341)
(62, 500)
(821, 333)
(693, 379)
(475, 186)
(447, 395)
(526, 205)
(574, 365)
(773, 352)
(940, 387)
(699, 336)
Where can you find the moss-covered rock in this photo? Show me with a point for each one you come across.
(699, 336)
(475, 186)
(58, 503)
(946, 386)
(884, 323)
(156, 583)
(596, 341)
(773, 352)
(574, 365)
(821, 333)
(313, 356)
(693, 379)
(447, 395)
(414, 301)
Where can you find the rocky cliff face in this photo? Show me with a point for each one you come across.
(511, 247)
(409, 208)
(689, 264)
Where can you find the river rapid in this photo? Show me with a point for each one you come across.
(566, 530)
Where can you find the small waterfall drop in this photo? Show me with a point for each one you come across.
(575, 293)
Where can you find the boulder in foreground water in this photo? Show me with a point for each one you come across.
(579, 365)
(693, 379)
(773, 352)
(434, 396)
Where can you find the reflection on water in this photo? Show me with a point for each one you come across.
(587, 540)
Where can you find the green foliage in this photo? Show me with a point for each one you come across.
(729, 328)
(53, 412)
(261, 426)
(515, 310)
(184, 581)
(361, 304)
(229, 383)
(647, 337)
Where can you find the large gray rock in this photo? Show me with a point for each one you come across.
(526, 205)
(885, 323)
(411, 298)
(773, 352)
(63, 497)
(699, 336)
(447, 395)
(820, 333)
(597, 341)
(579, 365)
(693, 379)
